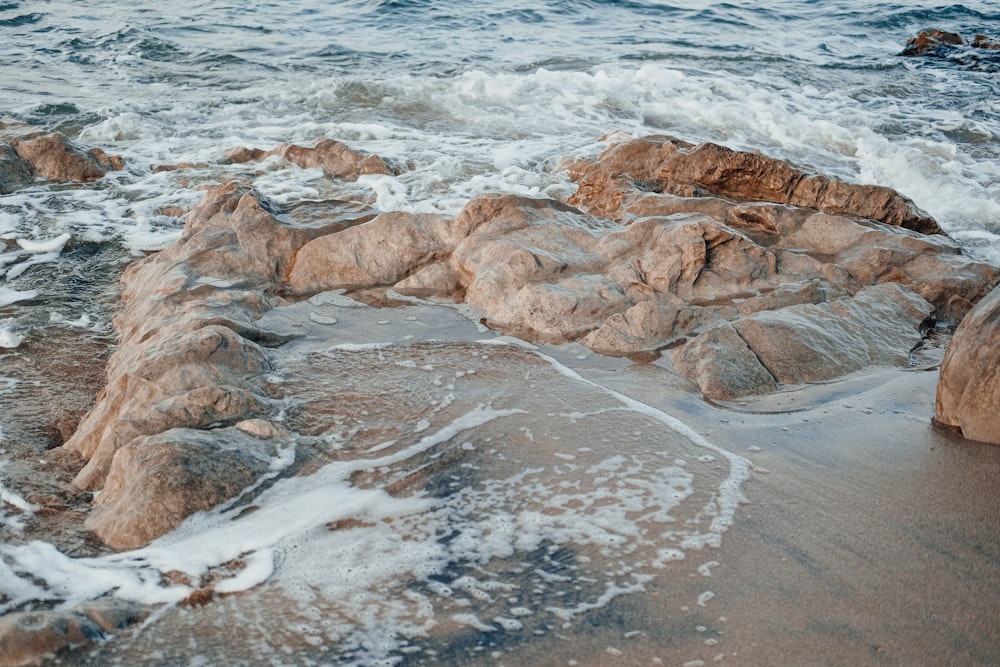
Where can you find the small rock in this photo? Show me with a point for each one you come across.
(929, 41)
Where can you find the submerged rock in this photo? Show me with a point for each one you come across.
(336, 159)
(34, 638)
(982, 53)
(940, 42)
(968, 392)
(930, 40)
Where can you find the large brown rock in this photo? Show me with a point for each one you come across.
(176, 379)
(670, 166)
(930, 41)
(189, 362)
(547, 271)
(27, 154)
(846, 235)
(382, 251)
(804, 343)
(968, 392)
(723, 366)
(157, 481)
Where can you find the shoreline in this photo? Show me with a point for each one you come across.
(866, 538)
(314, 416)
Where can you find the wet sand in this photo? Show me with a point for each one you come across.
(869, 536)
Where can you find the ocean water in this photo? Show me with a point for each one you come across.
(471, 97)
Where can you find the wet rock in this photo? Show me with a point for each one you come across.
(846, 235)
(190, 357)
(382, 251)
(35, 638)
(666, 165)
(648, 326)
(984, 42)
(940, 43)
(929, 41)
(54, 157)
(756, 274)
(804, 343)
(156, 482)
(968, 392)
(336, 159)
(175, 379)
(981, 54)
(723, 366)
(547, 271)
(27, 154)
(187, 356)
(818, 342)
(15, 171)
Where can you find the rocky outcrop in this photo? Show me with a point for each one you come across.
(754, 274)
(982, 54)
(622, 180)
(190, 357)
(26, 154)
(683, 245)
(157, 481)
(968, 392)
(930, 40)
(805, 343)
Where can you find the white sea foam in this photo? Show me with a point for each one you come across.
(11, 499)
(294, 506)
(9, 295)
(10, 338)
(53, 245)
(84, 321)
(616, 509)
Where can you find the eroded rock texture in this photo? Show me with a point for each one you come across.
(190, 357)
(27, 154)
(700, 247)
(968, 394)
(756, 275)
